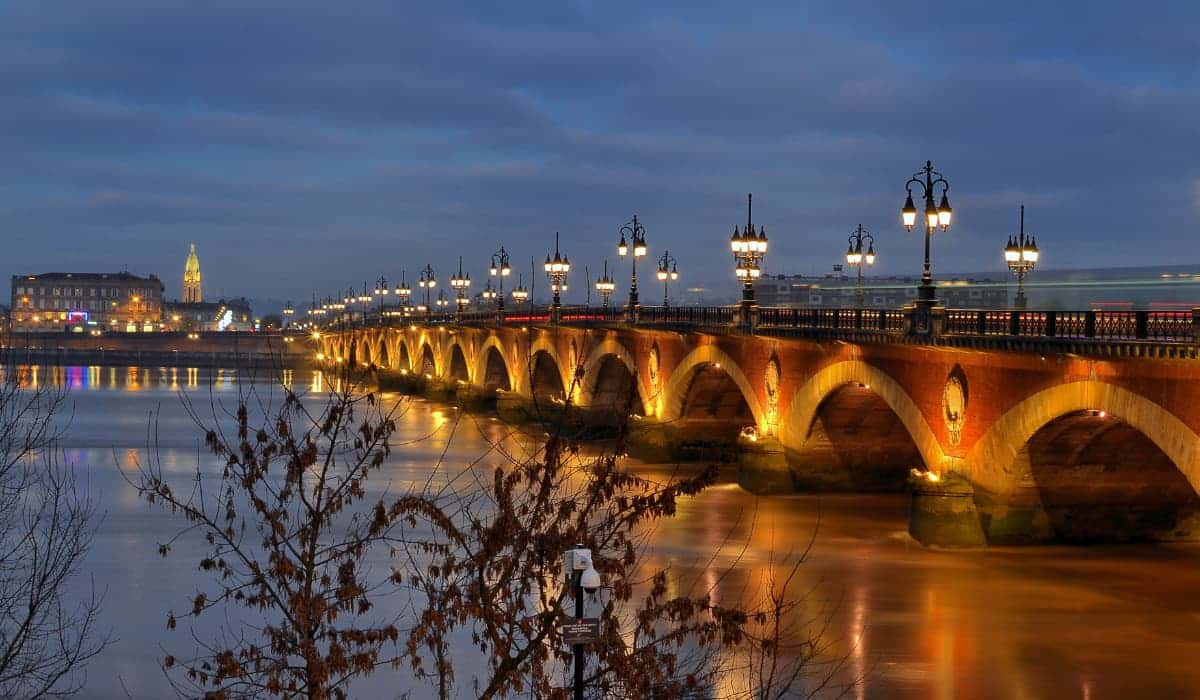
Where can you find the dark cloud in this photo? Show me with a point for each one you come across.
(310, 144)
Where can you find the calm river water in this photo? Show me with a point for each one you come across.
(1047, 622)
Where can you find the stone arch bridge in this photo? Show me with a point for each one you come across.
(1011, 440)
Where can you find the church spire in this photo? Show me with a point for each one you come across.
(191, 278)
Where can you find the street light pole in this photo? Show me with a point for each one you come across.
(749, 249)
(1021, 256)
(606, 287)
(500, 269)
(381, 291)
(557, 269)
(856, 258)
(637, 235)
(427, 281)
(936, 216)
(667, 273)
(460, 282)
(403, 293)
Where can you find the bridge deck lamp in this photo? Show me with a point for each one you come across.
(605, 286)
(637, 239)
(381, 291)
(936, 216)
(520, 294)
(442, 300)
(460, 282)
(557, 269)
(749, 248)
(427, 281)
(667, 272)
(500, 269)
(856, 258)
(1021, 256)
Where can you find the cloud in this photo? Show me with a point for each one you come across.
(339, 142)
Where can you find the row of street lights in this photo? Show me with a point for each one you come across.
(749, 249)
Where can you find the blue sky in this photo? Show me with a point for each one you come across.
(308, 145)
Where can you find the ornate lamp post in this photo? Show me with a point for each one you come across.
(381, 291)
(936, 216)
(427, 281)
(461, 282)
(856, 258)
(520, 294)
(499, 269)
(557, 269)
(288, 312)
(749, 249)
(403, 293)
(635, 248)
(363, 300)
(442, 300)
(1021, 256)
(605, 286)
(667, 272)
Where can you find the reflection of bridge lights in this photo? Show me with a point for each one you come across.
(750, 432)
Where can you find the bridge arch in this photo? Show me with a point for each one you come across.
(706, 358)
(427, 361)
(493, 368)
(991, 461)
(383, 358)
(546, 377)
(543, 345)
(609, 374)
(457, 366)
(835, 382)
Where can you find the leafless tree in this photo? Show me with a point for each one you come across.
(290, 524)
(47, 522)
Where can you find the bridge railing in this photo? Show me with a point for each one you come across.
(1160, 326)
(884, 320)
(1105, 325)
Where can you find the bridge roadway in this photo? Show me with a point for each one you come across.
(1022, 426)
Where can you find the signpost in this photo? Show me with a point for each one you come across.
(583, 630)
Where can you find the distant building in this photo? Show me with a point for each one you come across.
(83, 301)
(838, 291)
(223, 315)
(191, 278)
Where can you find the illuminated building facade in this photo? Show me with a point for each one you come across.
(87, 301)
(191, 278)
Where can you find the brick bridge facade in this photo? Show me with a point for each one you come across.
(1021, 442)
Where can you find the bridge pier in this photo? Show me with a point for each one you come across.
(763, 466)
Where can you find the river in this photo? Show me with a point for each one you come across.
(1037, 622)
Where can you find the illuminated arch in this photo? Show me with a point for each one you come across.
(544, 344)
(990, 461)
(806, 401)
(481, 361)
(609, 347)
(677, 384)
(448, 361)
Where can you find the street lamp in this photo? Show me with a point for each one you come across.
(635, 248)
(1021, 256)
(749, 249)
(288, 312)
(557, 269)
(363, 300)
(936, 216)
(427, 281)
(381, 291)
(461, 282)
(856, 258)
(500, 269)
(605, 286)
(520, 294)
(403, 292)
(667, 272)
(442, 300)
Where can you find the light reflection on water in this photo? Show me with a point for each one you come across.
(1048, 622)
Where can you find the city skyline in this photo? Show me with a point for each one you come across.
(326, 141)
